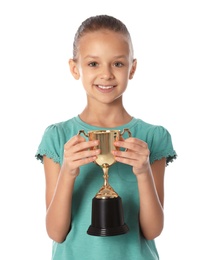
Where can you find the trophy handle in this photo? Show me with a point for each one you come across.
(126, 130)
(83, 132)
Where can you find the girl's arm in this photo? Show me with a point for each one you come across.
(60, 184)
(151, 194)
(150, 180)
(59, 188)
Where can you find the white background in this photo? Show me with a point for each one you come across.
(176, 44)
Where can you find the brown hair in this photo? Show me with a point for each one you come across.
(95, 23)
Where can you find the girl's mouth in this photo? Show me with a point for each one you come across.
(105, 87)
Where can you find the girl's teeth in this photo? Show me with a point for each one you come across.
(105, 87)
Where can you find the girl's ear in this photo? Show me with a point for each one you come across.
(133, 69)
(74, 69)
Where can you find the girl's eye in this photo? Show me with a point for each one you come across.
(92, 64)
(118, 64)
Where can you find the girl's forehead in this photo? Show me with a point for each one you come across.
(104, 33)
(104, 42)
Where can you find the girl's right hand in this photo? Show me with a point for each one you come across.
(77, 152)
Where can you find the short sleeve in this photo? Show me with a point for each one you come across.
(49, 145)
(161, 145)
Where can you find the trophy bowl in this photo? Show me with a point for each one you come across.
(107, 217)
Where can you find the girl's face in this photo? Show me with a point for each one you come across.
(104, 64)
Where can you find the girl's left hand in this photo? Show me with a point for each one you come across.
(136, 154)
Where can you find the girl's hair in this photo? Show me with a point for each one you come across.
(95, 23)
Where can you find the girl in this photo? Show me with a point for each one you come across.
(103, 60)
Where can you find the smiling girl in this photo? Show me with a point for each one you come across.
(103, 59)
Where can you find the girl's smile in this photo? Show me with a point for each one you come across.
(105, 89)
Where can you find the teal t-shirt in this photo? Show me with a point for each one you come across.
(78, 245)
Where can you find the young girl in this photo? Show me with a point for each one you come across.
(103, 60)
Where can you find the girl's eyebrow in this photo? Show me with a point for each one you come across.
(120, 57)
(91, 57)
(96, 57)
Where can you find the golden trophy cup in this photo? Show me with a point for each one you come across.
(107, 212)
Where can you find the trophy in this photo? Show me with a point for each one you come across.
(107, 212)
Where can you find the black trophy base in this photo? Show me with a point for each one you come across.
(107, 217)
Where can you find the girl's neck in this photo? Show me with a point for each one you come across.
(105, 116)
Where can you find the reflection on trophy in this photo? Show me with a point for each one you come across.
(107, 212)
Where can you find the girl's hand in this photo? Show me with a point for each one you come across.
(77, 152)
(136, 154)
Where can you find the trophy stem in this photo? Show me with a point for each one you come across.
(105, 174)
(106, 191)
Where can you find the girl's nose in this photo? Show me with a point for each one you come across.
(107, 73)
